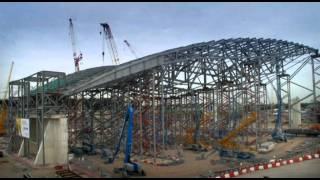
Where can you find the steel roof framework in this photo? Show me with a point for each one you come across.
(226, 78)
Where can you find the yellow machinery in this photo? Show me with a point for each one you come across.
(228, 143)
(3, 116)
(4, 106)
(205, 119)
(189, 137)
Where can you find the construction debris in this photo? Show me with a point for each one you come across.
(27, 175)
(266, 147)
(67, 174)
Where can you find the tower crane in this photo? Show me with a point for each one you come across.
(107, 35)
(76, 58)
(131, 49)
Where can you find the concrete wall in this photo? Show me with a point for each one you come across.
(55, 142)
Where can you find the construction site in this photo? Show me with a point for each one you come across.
(198, 111)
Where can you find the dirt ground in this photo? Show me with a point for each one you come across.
(11, 167)
(191, 167)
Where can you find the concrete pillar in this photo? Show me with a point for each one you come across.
(55, 142)
(296, 113)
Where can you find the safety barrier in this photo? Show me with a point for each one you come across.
(271, 164)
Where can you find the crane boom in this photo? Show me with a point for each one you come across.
(76, 58)
(111, 43)
(131, 49)
(227, 140)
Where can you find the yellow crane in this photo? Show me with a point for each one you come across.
(205, 120)
(4, 106)
(227, 142)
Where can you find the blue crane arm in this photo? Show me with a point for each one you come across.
(128, 118)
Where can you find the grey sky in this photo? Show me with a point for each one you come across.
(35, 35)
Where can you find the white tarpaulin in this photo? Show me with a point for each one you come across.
(25, 130)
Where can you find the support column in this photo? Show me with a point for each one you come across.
(42, 121)
(154, 119)
(162, 113)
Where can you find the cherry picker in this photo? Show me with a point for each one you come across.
(129, 167)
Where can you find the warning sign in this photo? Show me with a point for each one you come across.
(25, 128)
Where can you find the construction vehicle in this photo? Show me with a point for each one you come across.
(229, 147)
(107, 35)
(76, 58)
(4, 106)
(129, 167)
(131, 49)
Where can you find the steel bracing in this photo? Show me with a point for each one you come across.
(192, 94)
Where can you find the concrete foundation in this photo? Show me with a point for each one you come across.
(55, 142)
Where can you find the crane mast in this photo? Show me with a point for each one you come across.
(131, 49)
(107, 34)
(76, 58)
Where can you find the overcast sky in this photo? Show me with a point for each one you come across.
(35, 35)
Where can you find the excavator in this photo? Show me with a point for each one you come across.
(227, 144)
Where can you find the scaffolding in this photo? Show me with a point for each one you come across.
(193, 94)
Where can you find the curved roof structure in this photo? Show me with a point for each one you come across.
(232, 52)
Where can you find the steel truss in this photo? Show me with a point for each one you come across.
(191, 94)
(32, 98)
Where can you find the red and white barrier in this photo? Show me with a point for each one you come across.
(238, 172)
(272, 164)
